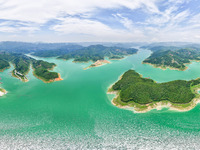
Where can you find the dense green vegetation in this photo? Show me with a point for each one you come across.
(41, 70)
(163, 48)
(140, 90)
(50, 53)
(13, 52)
(22, 64)
(94, 53)
(173, 58)
(116, 57)
(4, 64)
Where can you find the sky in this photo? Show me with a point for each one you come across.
(100, 20)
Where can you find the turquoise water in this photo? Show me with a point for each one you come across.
(76, 113)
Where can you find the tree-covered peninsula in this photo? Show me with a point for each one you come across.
(22, 64)
(84, 54)
(42, 71)
(143, 94)
(91, 53)
(98, 52)
(174, 59)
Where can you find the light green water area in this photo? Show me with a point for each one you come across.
(76, 113)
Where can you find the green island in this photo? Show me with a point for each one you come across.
(41, 70)
(143, 94)
(92, 53)
(22, 64)
(173, 59)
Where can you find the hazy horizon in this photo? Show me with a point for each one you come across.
(97, 42)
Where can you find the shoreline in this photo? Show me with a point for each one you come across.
(144, 108)
(58, 79)
(50, 81)
(165, 67)
(98, 63)
(118, 58)
(23, 80)
(138, 108)
(2, 70)
(3, 92)
(171, 68)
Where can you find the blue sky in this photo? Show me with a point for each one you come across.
(100, 20)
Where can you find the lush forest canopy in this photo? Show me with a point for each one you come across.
(133, 87)
(176, 58)
(22, 64)
(163, 48)
(170, 46)
(4, 64)
(42, 70)
(93, 52)
(15, 53)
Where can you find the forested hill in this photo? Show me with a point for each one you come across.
(15, 53)
(22, 65)
(170, 46)
(93, 52)
(176, 59)
(134, 88)
(161, 48)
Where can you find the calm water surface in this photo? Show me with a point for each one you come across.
(76, 113)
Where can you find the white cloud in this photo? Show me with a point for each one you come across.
(28, 16)
(40, 11)
(7, 29)
(169, 16)
(93, 30)
(80, 26)
(194, 22)
(179, 1)
(14, 27)
(127, 23)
